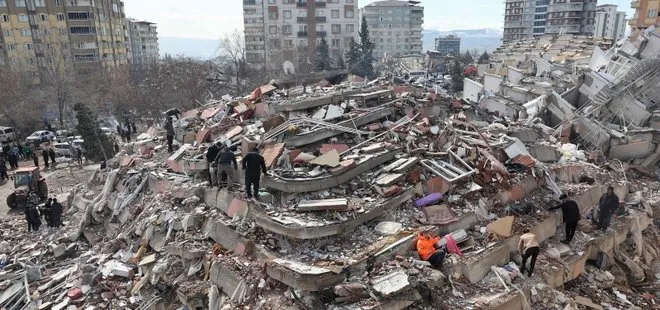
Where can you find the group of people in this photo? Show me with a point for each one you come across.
(14, 153)
(51, 212)
(126, 131)
(529, 246)
(222, 165)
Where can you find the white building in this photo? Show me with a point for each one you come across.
(395, 27)
(142, 39)
(610, 23)
(279, 32)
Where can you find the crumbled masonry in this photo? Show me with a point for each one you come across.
(354, 173)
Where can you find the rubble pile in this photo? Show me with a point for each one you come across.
(354, 174)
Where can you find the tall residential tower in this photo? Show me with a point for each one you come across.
(142, 37)
(610, 23)
(646, 14)
(395, 27)
(528, 18)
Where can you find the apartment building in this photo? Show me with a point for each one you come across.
(528, 18)
(35, 34)
(448, 45)
(395, 27)
(646, 14)
(142, 37)
(610, 23)
(279, 32)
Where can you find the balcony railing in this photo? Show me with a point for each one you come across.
(249, 2)
(635, 4)
(319, 5)
(302, 34)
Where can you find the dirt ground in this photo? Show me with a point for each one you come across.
(59, 179)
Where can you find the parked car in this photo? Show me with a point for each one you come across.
(40, 136)
(72, 138)
(107, 131)
(7, 134)
(62, 149)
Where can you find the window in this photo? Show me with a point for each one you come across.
(85, 57)
(20, 3)
(287, 29)
(40, 3)
(11, 47)
(60, 17)
(272, 15)
(7, 33)
(349, 13)
(115, 8)
(272, 29)
(79, 15)
(336, 29)
(4, 18)
(43, 17)
(333, 1)
(272, 1)
(28, 47)
(3, 3)
(57, 2)
(23, 18)
(289, 1)
(63, 32)
(334, 14)
(26, 32)
(81, 30)
(349, 1)
(287, 14)
(652, 13)
(288, 43)
(350, 28)
(335, 42)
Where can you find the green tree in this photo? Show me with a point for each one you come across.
(323, 62)
(360, 56)
(457, 76)
(484, 58)
(97, 145)
(353, 55)
(467, 58)
(340, 63)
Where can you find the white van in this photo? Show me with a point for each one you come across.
(7, 134)
(62, 149)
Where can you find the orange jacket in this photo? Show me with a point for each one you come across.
(425, 246)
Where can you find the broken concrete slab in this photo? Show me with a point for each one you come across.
(330, 159)
(502, 226)
(389, 179)
(340, 204)
(390, 284)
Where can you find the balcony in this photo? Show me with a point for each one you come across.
(321, 19)
(319, 5)
(249, 2)
(635, 4)
(302, 34)
(321, 33)
(301, 19)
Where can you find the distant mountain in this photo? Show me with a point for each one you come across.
(194, 48)
(479, 39)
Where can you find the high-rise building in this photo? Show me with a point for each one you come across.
(283, 34)
(395, 27)
(448, 45)
(528, 18)
(88, 34)
(646, 14)
(142, 37)
(610, 23)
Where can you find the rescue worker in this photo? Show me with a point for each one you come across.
(44, 154)
(20, 150)
(223, 162)
(27, 150)
(47, 212)
(128, 133)
(253, 164)
(170, 134)
(32, 217)
(211, 154)
(428, 251)
(51, 152)
(79, 155)
(14, 155)
(35, 159)
(607, 206)
(571, 215)
(3, 170)
(57, 213)
(529, 248)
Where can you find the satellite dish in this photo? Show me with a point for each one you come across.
(288, 67)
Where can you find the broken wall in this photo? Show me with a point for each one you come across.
(472, 90)
(492, 82)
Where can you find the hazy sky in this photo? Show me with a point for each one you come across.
(210, 19)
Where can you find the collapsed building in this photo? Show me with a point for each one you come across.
(355, 172)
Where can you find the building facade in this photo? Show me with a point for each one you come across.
(37, 34)
(610, 23)
(529, 18)
(142, 37)
(646, 14)
(282, 35)
(448, 45)
(395, 27)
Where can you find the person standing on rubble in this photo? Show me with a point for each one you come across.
(211, 154)
(47, 212)
(427, 249)
(44, 154)
(571, 215)
(253, 164)
(3, 170)
(57, 213)
(223, 162)
(51, 153)
(607, 206)
(169, 127)
(35, 159)
(32, 217)
(529, 248)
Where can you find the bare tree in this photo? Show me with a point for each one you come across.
(19, 103)
(57, 75)
(232, 46)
